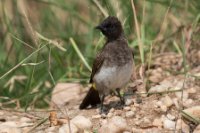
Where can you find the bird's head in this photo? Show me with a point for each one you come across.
(111, 27)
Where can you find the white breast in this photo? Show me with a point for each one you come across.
(109, 78)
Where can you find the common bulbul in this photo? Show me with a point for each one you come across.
(112, 67)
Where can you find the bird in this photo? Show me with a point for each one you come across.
(113, 65)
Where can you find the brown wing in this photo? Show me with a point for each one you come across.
(97, 65)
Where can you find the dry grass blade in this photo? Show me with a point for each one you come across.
(55, 43)
(103, 11)
(22, 9)
(22, 41)
(38, 124)
(32, 64)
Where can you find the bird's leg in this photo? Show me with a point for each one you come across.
(102, 100)
(121, 97)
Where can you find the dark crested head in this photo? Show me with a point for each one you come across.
(111, 27)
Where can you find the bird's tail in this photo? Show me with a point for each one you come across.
(92, 98)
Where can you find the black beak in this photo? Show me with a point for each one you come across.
(99, 27)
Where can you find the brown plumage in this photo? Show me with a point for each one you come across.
(112, 67)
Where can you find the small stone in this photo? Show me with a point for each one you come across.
(188, 103)
(192, 90)
(157, 123)
(175, 101)
(128, 102)
(96, 116)
(112, 110)
(65, 128)
(116, 124)
(163, 108)
(129, 114)
(171, 117)
(109, 115)
(168, 124)
(182, 127)
(82, 123)
(167, 101)
(127, 108)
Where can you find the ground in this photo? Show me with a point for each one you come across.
(160, 110)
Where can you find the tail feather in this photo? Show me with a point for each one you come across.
(92, 98)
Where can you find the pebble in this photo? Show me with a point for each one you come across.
(116, 124)
(157, 123)
(168, 124)
(112, 110)
(129, 114)
(128, 102)
(82, 123)
(109, 115)
(167, 101)
(65, 128)
(163, 108)
(171, 117)
(175, 101)
(127, 108)
(96, 116)
(192, 90)
(188, 103)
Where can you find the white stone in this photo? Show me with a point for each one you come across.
(182, 127)
(168, 124)
(116, 124)
(129, 114)
(96, 116)
(163, 108)
(66, 128)
(128, 102)
(171, 117)
(112, 110)
(82, 123)
(167, 101)
(127, 108)
(109, 115)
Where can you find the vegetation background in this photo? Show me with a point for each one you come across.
(43, 42)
